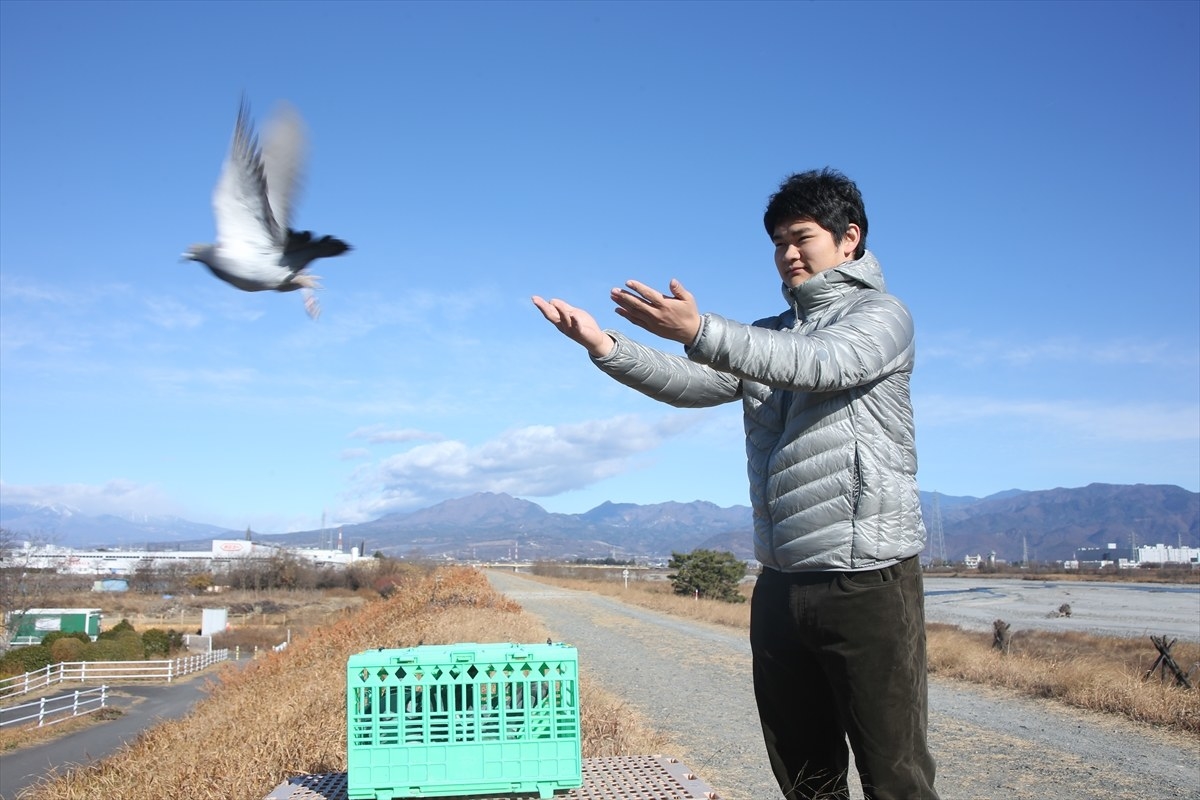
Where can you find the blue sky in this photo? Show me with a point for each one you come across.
(1031, 173)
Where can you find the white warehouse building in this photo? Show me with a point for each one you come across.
(1163, 554)
(223, 554)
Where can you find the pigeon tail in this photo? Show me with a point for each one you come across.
(325, 247)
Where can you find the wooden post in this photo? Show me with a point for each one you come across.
(1001, 639)
(1165, 661)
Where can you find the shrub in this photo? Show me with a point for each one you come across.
(25, 659)
(129, 645)
(124, 626)
(124, 646)
(156, 642)
(67, 648)
(53, 636)
(104, 650)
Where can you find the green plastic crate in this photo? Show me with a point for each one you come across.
(462, 719)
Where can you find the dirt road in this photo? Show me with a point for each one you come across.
(692, 681)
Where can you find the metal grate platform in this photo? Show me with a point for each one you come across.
(612, 778)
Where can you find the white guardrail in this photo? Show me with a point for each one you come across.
(50, 710)
(109, 671)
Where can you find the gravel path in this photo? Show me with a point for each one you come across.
(692, 681)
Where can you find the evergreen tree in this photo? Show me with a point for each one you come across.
(714, 574)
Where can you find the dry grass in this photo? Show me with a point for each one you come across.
(277, 610)
(30, 735)
(285, 714)
(1097, 673)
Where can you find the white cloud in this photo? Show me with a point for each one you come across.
(962, 348)
(218, 378)
(117, 497)
(378, 434)
(168, 313)
(1127, 422)
(533, 461)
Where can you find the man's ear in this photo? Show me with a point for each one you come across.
(850, 239)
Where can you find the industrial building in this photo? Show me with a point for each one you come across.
(224, 554)
(1131, 557)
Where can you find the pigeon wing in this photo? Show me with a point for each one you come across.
(246, 226)
(284, 154)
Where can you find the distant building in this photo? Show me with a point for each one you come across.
(1162, 554)
(224, 554)
(31, 626)
(1131, 558)
(110, 585)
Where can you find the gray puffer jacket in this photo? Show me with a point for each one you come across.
(829, 427)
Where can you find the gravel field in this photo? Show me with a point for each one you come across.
(692, 681)
(1112, 609)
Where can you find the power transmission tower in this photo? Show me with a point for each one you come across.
(939, 539)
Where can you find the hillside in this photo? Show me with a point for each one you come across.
(1049, 525)
(1055, 522)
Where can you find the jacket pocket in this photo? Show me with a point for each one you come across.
(856, 483)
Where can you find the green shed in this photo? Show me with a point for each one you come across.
(35, 623)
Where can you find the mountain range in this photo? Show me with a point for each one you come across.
(1047, 525)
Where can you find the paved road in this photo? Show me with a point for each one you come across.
(143, 705)
(692, 681)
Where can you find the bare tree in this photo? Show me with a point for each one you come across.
(23, 584)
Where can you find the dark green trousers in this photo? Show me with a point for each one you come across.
(841, 656)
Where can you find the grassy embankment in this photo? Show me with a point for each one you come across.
(1097, 673)
(285, 713)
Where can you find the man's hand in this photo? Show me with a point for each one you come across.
(576, 324)
(673, 317)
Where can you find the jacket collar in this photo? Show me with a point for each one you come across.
(825, 287)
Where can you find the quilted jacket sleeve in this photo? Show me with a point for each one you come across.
(667, 378)
(867, 340)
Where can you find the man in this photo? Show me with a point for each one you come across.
(837, 619)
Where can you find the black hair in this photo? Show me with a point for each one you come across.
(825, 196)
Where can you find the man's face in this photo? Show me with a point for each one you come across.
(803, 248)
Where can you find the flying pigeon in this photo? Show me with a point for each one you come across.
(256, 248)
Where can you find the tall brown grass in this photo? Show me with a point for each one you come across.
(285, 714)
(1098, 673)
